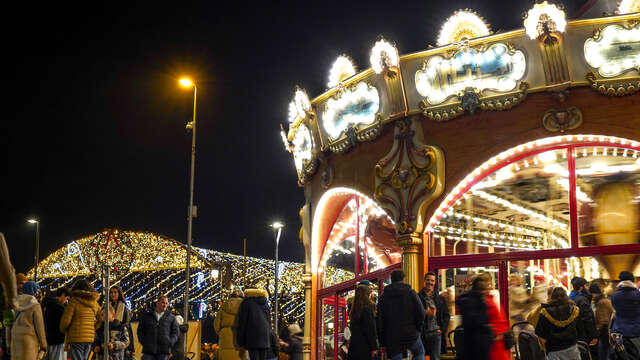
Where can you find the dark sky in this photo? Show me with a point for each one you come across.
(95, 134)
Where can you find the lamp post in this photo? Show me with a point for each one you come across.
(191, 125)
(37, 222)
(277, 231)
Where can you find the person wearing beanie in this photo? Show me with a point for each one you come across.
(28, 337)
(21, 279)
(626, 302)
(603, 311)
(582, 298)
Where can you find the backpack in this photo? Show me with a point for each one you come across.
(528, 347)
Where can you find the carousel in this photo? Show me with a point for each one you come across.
(512, 153)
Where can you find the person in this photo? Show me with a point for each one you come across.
(80, 319)
(254, 327)
(21, 279)
(274, 348)
(363, 343)
(603, 312)
(294, 345)
(499, 324)
(225, 326)
(558, 325)
(158, 331)
(116, 301)
(518, 299)
(436, 321)
(177, 352)
(626, 303)
(117, 342)
(28, 337)
(400, 317)
(587, 325)
(478, 335)
(53, 308)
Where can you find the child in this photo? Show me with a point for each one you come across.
(118, 339)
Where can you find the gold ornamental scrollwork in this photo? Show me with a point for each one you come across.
(407, 175)
(614, 87)
(561, 120)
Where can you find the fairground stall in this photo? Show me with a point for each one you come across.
(510, 153)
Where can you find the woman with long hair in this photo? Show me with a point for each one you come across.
(363, 344)
(558, 326)
(116, 302)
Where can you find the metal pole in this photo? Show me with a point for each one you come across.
(190, 211)
(275, 272)
(35, 276)
(105, 291)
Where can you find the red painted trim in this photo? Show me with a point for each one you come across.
(503, 286)
(573, 203)
(335, 329)
(333, 224)
(350, 284)
(357, 242)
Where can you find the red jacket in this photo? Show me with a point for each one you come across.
(498, 321)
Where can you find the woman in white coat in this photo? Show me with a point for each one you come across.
(28, 338)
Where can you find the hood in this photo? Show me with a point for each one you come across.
(397, 289)
(87, 298)
(25, 302)
(255, 293)
(626, 284)
(232, 305)
(561, 315)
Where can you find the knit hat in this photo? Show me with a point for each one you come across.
(626, 275)
(20, 277)
(595, 289)
(30, 288)
(365, 282)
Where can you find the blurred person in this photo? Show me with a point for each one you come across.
(603, 312)
(558, 326)
(158, 331)
(363, 343)
(626, 303)
(518, 299)
(8, 277)
(293, 347)
(117, 342)
(478, 335)
(400, 318)
(178, 349)
(21, 279)
(53, 308)
(437, 317)
(500, 349)
(28, 336)
(274, 348)
(225, 326)
(80, 319)
(254, 327)
(587, 324)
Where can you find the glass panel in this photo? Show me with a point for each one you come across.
(345, 300)
(608, 195)
(327, 326)
(522, 206)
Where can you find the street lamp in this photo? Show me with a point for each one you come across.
(37, 222)
(277, 231)
(191, 212)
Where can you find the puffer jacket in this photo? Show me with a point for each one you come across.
(81, 317)
(558, 325)
(27, 333)
(226, 328)
(254, 328)
(400, 317)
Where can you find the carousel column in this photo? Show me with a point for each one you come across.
(306, 340)
(411, 245)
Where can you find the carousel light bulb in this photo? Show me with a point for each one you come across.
(629, 6)
(462, 25)
(343, 68)
(383, 55)
(544, 15)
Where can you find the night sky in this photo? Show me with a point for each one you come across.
(96, 137)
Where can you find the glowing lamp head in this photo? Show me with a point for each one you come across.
(383, 55)
(32, 221)
(277, 225)
(462, 25)
(544, 18)
(343, 68)
(629, 6)
(186, 82)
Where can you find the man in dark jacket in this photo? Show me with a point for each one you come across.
(158, 331)
(436, 319)
(626, 302)
(400, 317)
(254, 327)
(52, 309)
(587, 324)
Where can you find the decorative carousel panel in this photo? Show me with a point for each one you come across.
(352, 115)
(614, 50)
(497, 68)
(303, 152)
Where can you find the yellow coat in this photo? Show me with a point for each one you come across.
(81, 317)
(225, 326)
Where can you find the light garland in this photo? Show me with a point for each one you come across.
(383, 55)
(463, 24)
(343, 68)
(544, 17)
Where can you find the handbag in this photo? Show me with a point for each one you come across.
(509, 339)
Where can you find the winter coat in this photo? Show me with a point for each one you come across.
(587, 324)
(294, 349)
(274, 348)
(81, 317)
(225, 325)
(558, 325)
(363, 336)
(157, 337)
(603, 315)
(499, 324)
(53, 310)
(626, 302)
(442, 315)
(118, 336)
(254, 328)
(178, 348)
(27, 333)
(400, 317)
(478, 335)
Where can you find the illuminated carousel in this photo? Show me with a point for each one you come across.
(514, 153)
